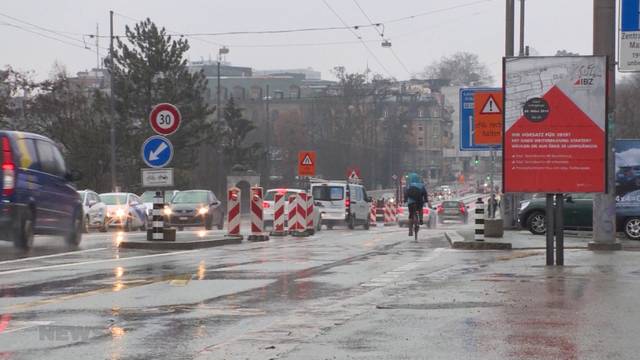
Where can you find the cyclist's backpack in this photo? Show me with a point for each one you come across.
(415, 193)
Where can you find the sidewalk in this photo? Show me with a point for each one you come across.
(496, 305)
(523, 239)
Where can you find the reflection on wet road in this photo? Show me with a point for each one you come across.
(101, 301)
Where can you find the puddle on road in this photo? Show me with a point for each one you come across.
(439, 306)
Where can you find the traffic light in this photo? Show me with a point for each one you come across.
(476, 161)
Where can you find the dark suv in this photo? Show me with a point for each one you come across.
(37, 194)
(578, 213)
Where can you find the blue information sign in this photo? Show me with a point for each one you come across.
(157, 151)
(630, 15)
(466, 120)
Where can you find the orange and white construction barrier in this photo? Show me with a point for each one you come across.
(299, 225)
(233, 212)
(279, 216)
(311, 229)
(372, 215)
(291, 216)
(257, 219)
(389, 216)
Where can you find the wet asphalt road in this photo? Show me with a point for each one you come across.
(99, 301)
(340, 294)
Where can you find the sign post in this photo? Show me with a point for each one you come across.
(555, 129)
(157, 152)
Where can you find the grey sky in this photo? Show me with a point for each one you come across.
(478, 28)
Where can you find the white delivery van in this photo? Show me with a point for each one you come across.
(342, 203)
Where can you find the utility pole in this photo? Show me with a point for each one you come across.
(112, 131)
(218, 108)
(267, 164)
(521, 52)
(508, 203)
(604, 205)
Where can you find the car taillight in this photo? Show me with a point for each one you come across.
(347, 203)
(8, 169)
(462, 209)
(425, 211)
(440, 209)
(265, 205)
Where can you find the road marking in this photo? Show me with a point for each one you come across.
(93, 262)
(394, 274)
(51, 255)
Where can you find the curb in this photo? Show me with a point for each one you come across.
(457, 242)
(181, 245)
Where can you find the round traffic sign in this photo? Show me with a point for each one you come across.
(165, 119)
(157, 151)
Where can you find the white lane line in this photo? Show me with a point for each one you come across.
(51, 255)
(92, 262)
(395, 274)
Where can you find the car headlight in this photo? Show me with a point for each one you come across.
(203, 210)
(167, 211)
(120, 213)
(524, 204)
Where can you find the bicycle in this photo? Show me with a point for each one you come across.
(414, 220)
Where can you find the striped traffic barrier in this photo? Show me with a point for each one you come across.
(372, 214)
(479, 228)
(278, 216)
(311, 229)
(388, 214)
(257, 216)
(157, 225)
(291, 216)
(299, 224)
(233, 213)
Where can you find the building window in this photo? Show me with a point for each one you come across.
(420, 128)
(420, 142)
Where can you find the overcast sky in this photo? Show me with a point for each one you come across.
(474, 26)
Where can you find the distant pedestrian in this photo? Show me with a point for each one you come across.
(493, 205)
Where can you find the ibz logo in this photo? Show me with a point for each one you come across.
(584, 82)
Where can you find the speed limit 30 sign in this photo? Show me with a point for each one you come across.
(164, 119)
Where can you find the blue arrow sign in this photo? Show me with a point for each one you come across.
(157, 151)
(467, 104)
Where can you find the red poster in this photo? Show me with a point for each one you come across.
(555, 135)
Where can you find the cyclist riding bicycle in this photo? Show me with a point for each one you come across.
(416, 196)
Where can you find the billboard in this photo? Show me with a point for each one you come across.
(555, 124)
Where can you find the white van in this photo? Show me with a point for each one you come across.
(342, 203)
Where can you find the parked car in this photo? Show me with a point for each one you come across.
(453, 210)
(428, 217)
(95, 211)
(147, 199)
(340, 203)
(269, 204)
(38, 196)
(125, 211)
(195, 208)
(578, 214)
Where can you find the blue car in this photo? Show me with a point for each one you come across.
(38, 196)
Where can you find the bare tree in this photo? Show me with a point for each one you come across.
(462, 68)
(628, 108)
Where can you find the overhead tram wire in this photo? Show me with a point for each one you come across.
(431, 12)
(58, 33)
(85, 47)
(383, 38)
(359, 38)
(293, 30)
(181, 35)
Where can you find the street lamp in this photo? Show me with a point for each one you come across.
(222, 51)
